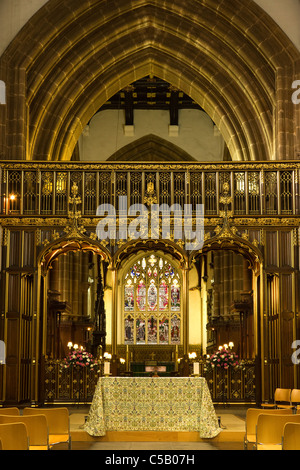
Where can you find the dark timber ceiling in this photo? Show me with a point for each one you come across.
(150, 93)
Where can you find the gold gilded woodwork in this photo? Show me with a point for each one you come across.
(56, 133)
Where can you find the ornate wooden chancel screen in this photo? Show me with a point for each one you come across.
(264, 211)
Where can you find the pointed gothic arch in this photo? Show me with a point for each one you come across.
(151, 148)
(65, 245)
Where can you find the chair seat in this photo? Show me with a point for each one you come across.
(269, 447)
(250, 439)
(58, 438)
(285, 407)
(38, 448)
(268, 405)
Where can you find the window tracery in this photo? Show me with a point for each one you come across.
(152, 302)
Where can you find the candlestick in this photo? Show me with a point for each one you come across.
(106, 368)
(196, 368)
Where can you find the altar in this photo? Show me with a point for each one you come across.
(180, 404)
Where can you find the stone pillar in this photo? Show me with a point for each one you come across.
(16, 114)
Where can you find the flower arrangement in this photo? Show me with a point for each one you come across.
(223, 359)
(79, 357)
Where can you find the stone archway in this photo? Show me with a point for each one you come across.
(151, 148)
(57, 83)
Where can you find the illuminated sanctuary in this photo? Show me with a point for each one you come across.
(110, 111)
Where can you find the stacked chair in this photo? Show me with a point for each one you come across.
(291, 437)
(14, 436)
(275, 426)
(251, 423)
(58, 421)
(35, 429)
(270, 430)
(282, 399)
(14, 411)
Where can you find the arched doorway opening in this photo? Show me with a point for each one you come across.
(226, 302)
(71, 277)
(75, 301)
(227, 281)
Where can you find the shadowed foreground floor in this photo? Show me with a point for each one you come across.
(152, 446)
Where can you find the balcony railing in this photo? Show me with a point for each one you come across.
(43, 189)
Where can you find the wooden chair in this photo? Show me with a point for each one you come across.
(291, 436)
(37, 429)
(282, 399)
(14, 436)
(251, 422)
(269, 430)
(1, 447)
(58, 421)
(13, 411)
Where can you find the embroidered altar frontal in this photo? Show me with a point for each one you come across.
(152, 404)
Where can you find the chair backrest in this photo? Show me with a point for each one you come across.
(282, 395)
(57, 418)
(37, 427)
(291, 436)
(253, 413)
(270, 427)
(14, 436)
(13, 411)
(295, 395)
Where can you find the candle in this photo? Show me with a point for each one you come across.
(196, 368)
(106, 368)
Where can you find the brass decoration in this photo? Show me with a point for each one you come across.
(150, 197)
(74, 228)
(209, 221)
(225, 166)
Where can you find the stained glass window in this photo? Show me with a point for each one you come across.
(152, 330)
(141, 296)
(175, 297)
(175, 330)
(152, 295)
(129, 298)
(164, 331)
(140, 331)
(129, 330)
(163, 296)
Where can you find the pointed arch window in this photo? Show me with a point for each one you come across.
(152, 302)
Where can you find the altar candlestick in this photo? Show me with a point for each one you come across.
(106, 368)
(196, 368)
(176, 358)
(127, 358)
